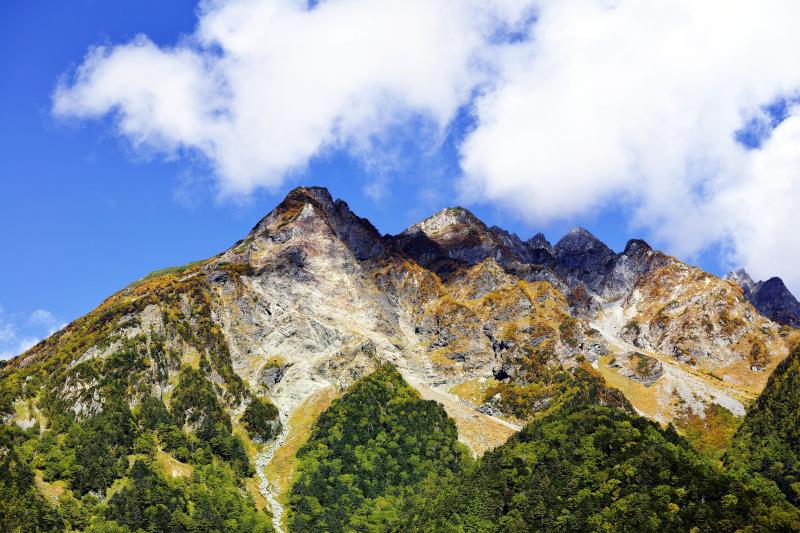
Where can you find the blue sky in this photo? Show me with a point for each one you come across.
(88, 206)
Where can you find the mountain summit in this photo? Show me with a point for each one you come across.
(771, 297)
(456, 235)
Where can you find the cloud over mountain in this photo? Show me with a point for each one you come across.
(639, 105)
(577, 105)
(260, 87)
(19, 331)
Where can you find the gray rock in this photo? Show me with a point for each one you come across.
(639, 367)
(271, 374)
(771, 298)
(584, 257)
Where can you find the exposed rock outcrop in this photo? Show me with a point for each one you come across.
(639, 367)
(771, 297)
(583, 257)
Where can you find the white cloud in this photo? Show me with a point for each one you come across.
(760, 210)
(43, 317)
(264, 85)
(19, 347)
(21, 331)
(7, 333)
(56, 328)
(602, 102)
(638, 103)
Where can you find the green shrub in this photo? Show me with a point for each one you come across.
(260, 418)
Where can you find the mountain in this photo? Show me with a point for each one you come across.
(219, 369)
(771, 298)
(454, 236)
(584, 257)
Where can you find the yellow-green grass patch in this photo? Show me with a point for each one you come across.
(473, 390)
(711, 434)
(281, 469)
(172, 467)
(50, 490)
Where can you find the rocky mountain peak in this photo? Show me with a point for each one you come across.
(315, 298)
(637, 260)
(584, 257)
(540, 242)
(295, 201)
(314, 192)
(580, 240)
(456, 234)
(774, 300)
(771, 298)
(447, 220)
(636, 246)
(741, 278)
(304, 205)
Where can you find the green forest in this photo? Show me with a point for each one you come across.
(768, 441)
(370, 455)
(381, 458)
(113, 480)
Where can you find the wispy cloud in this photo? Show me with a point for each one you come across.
(21, 331)
(7, 333)
(576, 106)
(43, 317)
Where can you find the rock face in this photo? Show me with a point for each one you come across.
(637, 260)
(454, 237)
(639, 367)
(540, 242)
(771, 298)
(314, 297)
(583, 257)
(741, 278)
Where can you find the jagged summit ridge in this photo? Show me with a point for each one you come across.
(771, 297)
(455, 236)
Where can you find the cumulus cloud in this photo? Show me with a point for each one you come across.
(577, 105)
(637, 105)
(759, 210)
(7, 333)
(262, 86)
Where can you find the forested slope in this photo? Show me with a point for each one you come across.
(380, 459)
(768, 441)
(370, 455)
